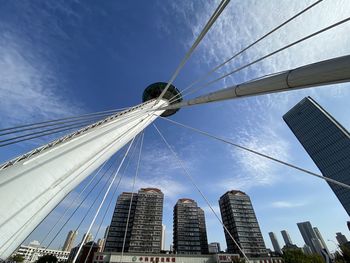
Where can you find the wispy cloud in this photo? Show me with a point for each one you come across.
(286, 204)
(31, 87)
(262, 128)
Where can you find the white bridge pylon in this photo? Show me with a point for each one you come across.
(33, 186)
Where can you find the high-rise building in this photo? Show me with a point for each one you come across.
(341, 238)
(326, 141)
(163, 237)
(310, 237)
(69, 243)
(319, 236)
(115, 237)
(190, 234)
(88, 238)
(144, 228)
(214, 248)
(286, 238)
(239, 218)
(100, 243)
(203, 231)
(275, 244)
(106, 233)
(307, 250)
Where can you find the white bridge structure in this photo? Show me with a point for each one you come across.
(49, 173)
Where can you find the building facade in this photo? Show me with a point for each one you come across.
(239, 218)
(286, 238)
(32, 253)
(319, 236)
(341, 239)
(326, 141)
(163, 237)
(144, 226)
(69, 243)
(214, 248)
(86, 254)
(146, 233)
(87, 238)
(116, 232)
(275, 244)
(111, 257)
(189, 233)
(310, 237)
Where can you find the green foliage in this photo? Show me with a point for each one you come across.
(344, 255)
(47, 259)
(345, 251)
(17, 258)
(238, 260)
(297, 256)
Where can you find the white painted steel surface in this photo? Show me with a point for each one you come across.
(31, 188)
(326, 72)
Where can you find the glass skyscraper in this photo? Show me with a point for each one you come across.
(326, 141)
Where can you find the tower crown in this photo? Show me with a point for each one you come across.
(154, 90)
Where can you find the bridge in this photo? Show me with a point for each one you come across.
(47, 174)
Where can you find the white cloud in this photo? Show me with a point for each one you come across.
(260, 126)
(170, 187)
(286, 204)
(31, 87)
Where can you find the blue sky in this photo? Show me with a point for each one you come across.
(60, 58)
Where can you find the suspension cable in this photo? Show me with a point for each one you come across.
(62, 119)
(92, 118)
(74, 125)
(268, 55)
(103, 199)
(81, 202)
(41, 135)
(73, 202)
(135, 115)
(30, 219)
(206, 28)
(66, 210)
(132, 196)
(91, 206)
(260, 154)
(110, 202)
(200, 192)
(247, 47)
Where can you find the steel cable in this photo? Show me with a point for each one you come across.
(103, 199)
(109, 204)
(180, 162)
(259, 154)
(62, 119)
(268, 55)
(246, 48)
(206, 28)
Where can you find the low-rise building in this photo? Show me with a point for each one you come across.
(33, 253)
(112, 257)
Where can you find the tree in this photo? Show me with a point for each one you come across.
(345, 251)
(238, 260)
(17, 258)
(344, 255)
(47, 259)
(297, 256)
